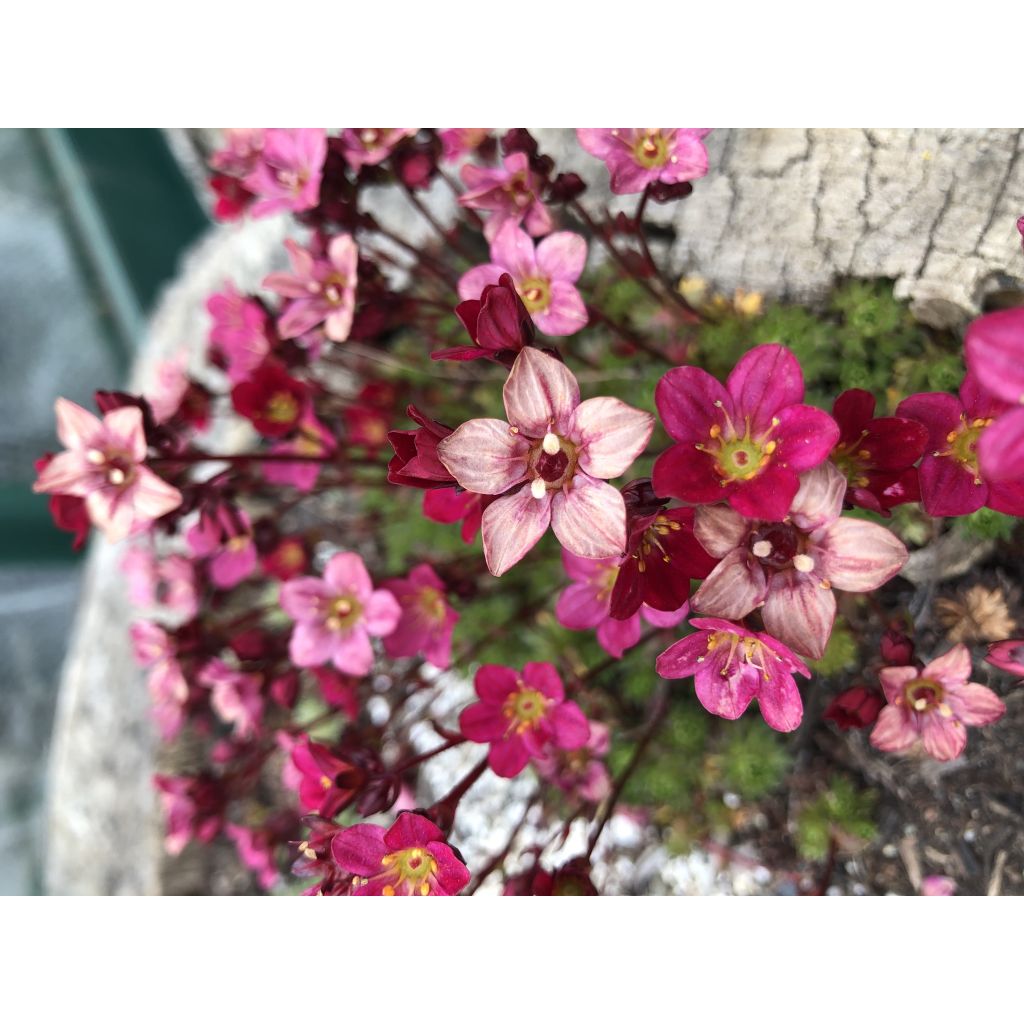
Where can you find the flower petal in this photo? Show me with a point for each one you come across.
(766, 380)
(687, 473)
(473, 282)
(726, 696)
(858, 556)
(780, 703)
(562, 256)
(352, 652)
(948, 489)
(610, 435)
(540, 394)
(1001, 448)
(616, 636)
(684, 657)
(346, 574)
(690, 401)
(719, 529)
(566, 313)
(894, 731)
(768, 495)
(381, 613)
(76, 427)
(581, 606)
(511, 526)
(994, 349)
(590, 520)
(572, 730)
(734, 589)
(360, 849)
(805, 436)
(485, 456)
(977, 705)
(799, 612)
(820, 498)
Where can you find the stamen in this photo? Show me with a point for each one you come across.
(551, 444)
(538, 488)
(95, 456)
(762, 549)
(116, 476)
(803, 563)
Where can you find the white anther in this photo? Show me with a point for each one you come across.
(803, 563)
(762, 549)
(116, 477)
(920, 704)
(95, 456)
(538, 488)
(551, 444)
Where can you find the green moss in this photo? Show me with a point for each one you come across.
(987, 524)
(841, 811)
(754, 759)
(840, 654)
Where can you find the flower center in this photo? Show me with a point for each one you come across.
(518, 190)
(738, 457)
(852, 461)
(651, 149)
(741, 649)
(963, 444)
(431, 604)
(651, 542)
(281, 408)
(409, 869)
(524, 708)
(342, 613)
(334, 288)
(551, 464)
(924, 695)
(369, 137)
(535, 293)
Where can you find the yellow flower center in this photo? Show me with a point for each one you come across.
(737, 456)
(963, 444)
(282, 407)
(651, 149)
(342, 613)
(536, 294)
(410, 870)
(524, 708)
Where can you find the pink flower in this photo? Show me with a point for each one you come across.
(364, 147)
(460, 142)
(731, 666)
(581, 773)
(236, 697)
(193, 806)
(322, 290)
(511, 192)
(1007, 655)
(553, 456)
(448, 505)
(409, 859)
(326, 782)
(256, 848)
(790, 568)
(168, 688)
(311, 438)
(638, 157)
(288, 170)
(745, 443)
(167, 392)
(522, 715)
(427, 621)
(545, 276)
(952, 482)
(586, 604)
(933, 704)
(336, 616)
(224, 535)
(938, 885)
(239, 332)
(104, 464)
(994, 348)
(241, 152)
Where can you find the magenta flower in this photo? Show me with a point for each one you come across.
(168, 688)
(994, 348)
(460, 142)
(545, 276)
(581, 773)
(498, 322)
(336, 616)
(522, 715)
(322, 290)
(449, 505)
(239, 332)
(427, 621)
(638, 157)
(1007, 655)
(409, 859)
(311, 438)
(877, 456)
(511, 192)
(193, 808)
(287, 173)
(952, 482)
(364, 147)
(415, 462)
(224, 536)
(586, 604)
(104, 464)
(255, 848)
(745, 443)
(788, 569)
(548, 463)
(326, 782)
(731, 666)
(933, 704)
(235, 696)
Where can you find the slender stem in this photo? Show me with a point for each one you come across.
(193, 457)
(446, 237)
(659, 705)
(413, 762)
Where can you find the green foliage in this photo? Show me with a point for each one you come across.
(987, 524)
(754, 759)
(841, 813)
(840, 654)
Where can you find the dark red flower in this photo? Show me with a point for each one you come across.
(449, 506)
(662, 554)
(271, 400)
(498, 322)
(67, 511)
(897, 648)
(233, 198)
(415, 462)
(287, 559)
(877, 456)
(855, 708)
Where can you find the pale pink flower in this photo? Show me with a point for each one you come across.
(544, 274)
(788, 569)
(311, 438)
(287, 173)
(364, 147)
(336, 616)
(933, 705)
(638, 157)
(938, 885)
(169, 389)
(586, 604)
(511, 192)
(460, 142)
(549, 463)
(239, 332)
(427, 621)
(236, 697)
(224, 536)
(140, 570)
(177, 588)
(168, 688)
(581, 773)
(241, 151)
(322, 290)
(104, 464)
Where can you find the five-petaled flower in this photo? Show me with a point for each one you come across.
(545, 276)
(336, 616)
(548, 463)
(522, 715)
(788, 569)
(287, 171)
(410, 858)
(427, 621)
(933, 704)
(104, 464)
(746, 442)
(731, 666)
(511, 192)
(638, 157)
